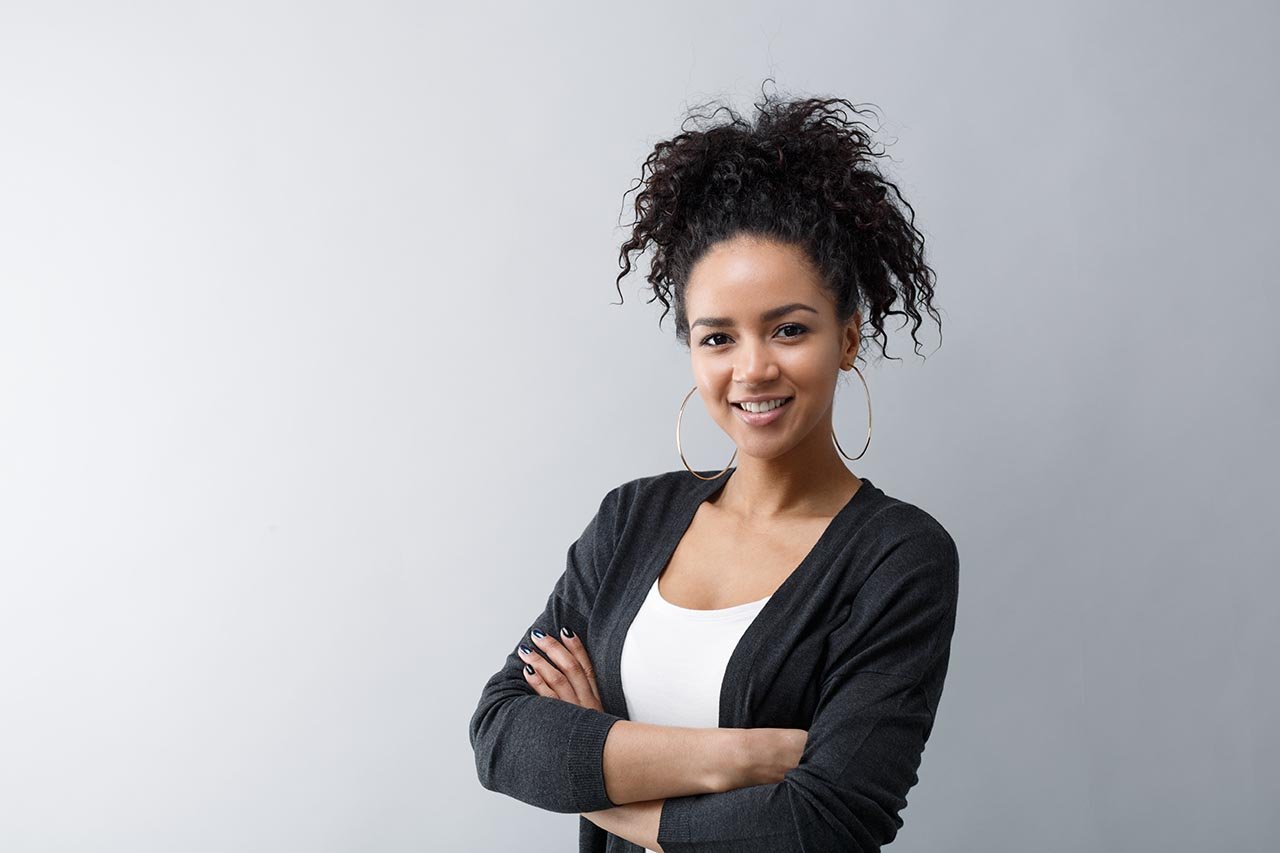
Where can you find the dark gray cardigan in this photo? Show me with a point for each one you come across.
(853, 646)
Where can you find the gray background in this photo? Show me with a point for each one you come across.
(309, 375)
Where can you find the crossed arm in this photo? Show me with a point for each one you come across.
(618, 773)
(875, 708)
(682, 791)
(644, 763)
(648, 763)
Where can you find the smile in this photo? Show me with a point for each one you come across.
(769, 412)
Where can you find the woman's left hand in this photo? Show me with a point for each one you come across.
(572, 679)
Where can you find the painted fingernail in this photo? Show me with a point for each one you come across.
(526, 649)
(568, 633)
(528, 669)
(538, 634)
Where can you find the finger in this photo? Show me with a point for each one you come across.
(553, 683)
(574, 644)
(575, 680)
(542, 678)
(535, 681)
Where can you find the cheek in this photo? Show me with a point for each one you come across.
(712, 377)
(816, 388)
(811, 378)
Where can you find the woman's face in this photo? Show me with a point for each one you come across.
(761, 325)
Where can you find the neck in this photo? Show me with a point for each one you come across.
(809, 480)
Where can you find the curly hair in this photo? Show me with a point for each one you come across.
(803, 174)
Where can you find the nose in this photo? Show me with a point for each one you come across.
(754, 366)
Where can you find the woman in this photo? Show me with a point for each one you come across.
(752, 658)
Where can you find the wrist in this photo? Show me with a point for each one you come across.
(730, 759)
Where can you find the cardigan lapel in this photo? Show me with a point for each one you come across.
(672, 515)
(771, 677)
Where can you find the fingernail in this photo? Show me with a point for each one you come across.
(528, 669)
(567, 632)
(538, 634)
(526, 649)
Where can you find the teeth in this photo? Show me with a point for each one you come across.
(766, 406)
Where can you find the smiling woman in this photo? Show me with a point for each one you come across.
(751, 659)
(768, 372)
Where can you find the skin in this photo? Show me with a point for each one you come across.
(786, 471)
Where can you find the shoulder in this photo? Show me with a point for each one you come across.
(900, 540)
(904, 521)
(633, 512)
(652, 501)
(647, 494)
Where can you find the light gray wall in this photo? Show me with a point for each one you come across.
(309, 375)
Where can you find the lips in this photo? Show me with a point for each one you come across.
(760, 419)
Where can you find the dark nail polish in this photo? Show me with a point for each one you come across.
(526, 649)
(528, 669)
(568, 633)
(538, 634)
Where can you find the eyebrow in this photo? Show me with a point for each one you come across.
(771, 314)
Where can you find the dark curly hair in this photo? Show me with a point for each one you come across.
(804, 175)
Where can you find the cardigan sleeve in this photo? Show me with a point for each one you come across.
(543, 751)
(874, 712)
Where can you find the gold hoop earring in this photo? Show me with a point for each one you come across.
(679, 415)
(868, 442)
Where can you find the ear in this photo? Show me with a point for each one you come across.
(852, 339)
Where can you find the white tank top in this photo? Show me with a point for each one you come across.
(674, 658)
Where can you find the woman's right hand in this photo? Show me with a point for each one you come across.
(766, 754)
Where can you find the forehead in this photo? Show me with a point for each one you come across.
(742, 277)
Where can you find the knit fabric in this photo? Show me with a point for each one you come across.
(853, 646)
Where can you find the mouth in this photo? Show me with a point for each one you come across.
(766, 417)
(784, 400)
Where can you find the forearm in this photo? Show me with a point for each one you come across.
(635, 822)
(644, 762)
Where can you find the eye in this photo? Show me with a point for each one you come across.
(800, 330)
